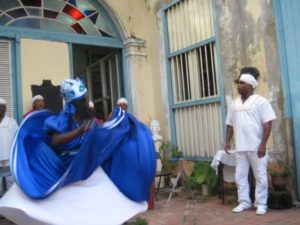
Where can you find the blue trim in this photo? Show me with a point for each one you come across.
(11, 32)
(282, 57)
(198, 159)
(192, 47)
(174, 2)
(18, 79)
(124, 79)
(219, 68)
(14, 79)
(287, 13)
(196, 102)
(169, 79)
(71, 63)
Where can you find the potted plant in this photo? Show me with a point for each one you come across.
(279, 174)
(166, 149)
(204, 176)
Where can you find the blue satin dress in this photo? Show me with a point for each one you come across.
(123, 147)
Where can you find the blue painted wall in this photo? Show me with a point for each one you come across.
(287, 13)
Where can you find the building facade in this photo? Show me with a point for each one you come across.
(175, 61)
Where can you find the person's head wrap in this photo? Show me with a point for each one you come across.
(72, 89)
(36, 97)
(122, 100)
(249, 79)
(2, 101)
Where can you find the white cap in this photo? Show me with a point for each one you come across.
(36, 97)
(91, 104)
(2, 101)
(122, 100)
(249, 79)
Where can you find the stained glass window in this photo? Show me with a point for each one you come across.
(72, 16)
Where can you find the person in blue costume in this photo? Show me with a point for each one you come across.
(52, 151)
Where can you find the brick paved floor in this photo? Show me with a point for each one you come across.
(207, 211)
(211, 211)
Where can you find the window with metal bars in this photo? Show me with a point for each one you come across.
(196, 105)
(194, 74)
(5, 75)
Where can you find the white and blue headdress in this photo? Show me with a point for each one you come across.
(70, 90)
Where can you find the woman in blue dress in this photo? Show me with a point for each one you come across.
(55, 157)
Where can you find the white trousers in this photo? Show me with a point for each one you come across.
(259, 167)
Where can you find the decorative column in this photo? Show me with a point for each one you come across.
(135, 63)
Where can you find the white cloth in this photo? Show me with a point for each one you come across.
(8, 128)
(247, 119)
(229, 165)
(95, 201)
(249, 79)
(259, 167)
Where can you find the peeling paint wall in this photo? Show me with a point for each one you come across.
(247, 37)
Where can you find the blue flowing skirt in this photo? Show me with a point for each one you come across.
(123, 147)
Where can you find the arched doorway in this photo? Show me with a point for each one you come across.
(80, 31)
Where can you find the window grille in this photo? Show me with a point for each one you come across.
(189, 22)
(5, 75)
(194, 74)
(192, 59)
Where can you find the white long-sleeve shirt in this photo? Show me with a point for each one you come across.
(8, 128)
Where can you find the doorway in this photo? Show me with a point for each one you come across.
(99, 68)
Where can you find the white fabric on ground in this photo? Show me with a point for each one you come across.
(95, 201)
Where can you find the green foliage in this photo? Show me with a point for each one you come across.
(203, 173)
(285, 171)
(137, 221)
(168, 147)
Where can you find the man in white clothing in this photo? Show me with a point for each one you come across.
(250, 118)
(8, 128)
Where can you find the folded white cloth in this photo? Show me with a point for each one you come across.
(95, 201)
